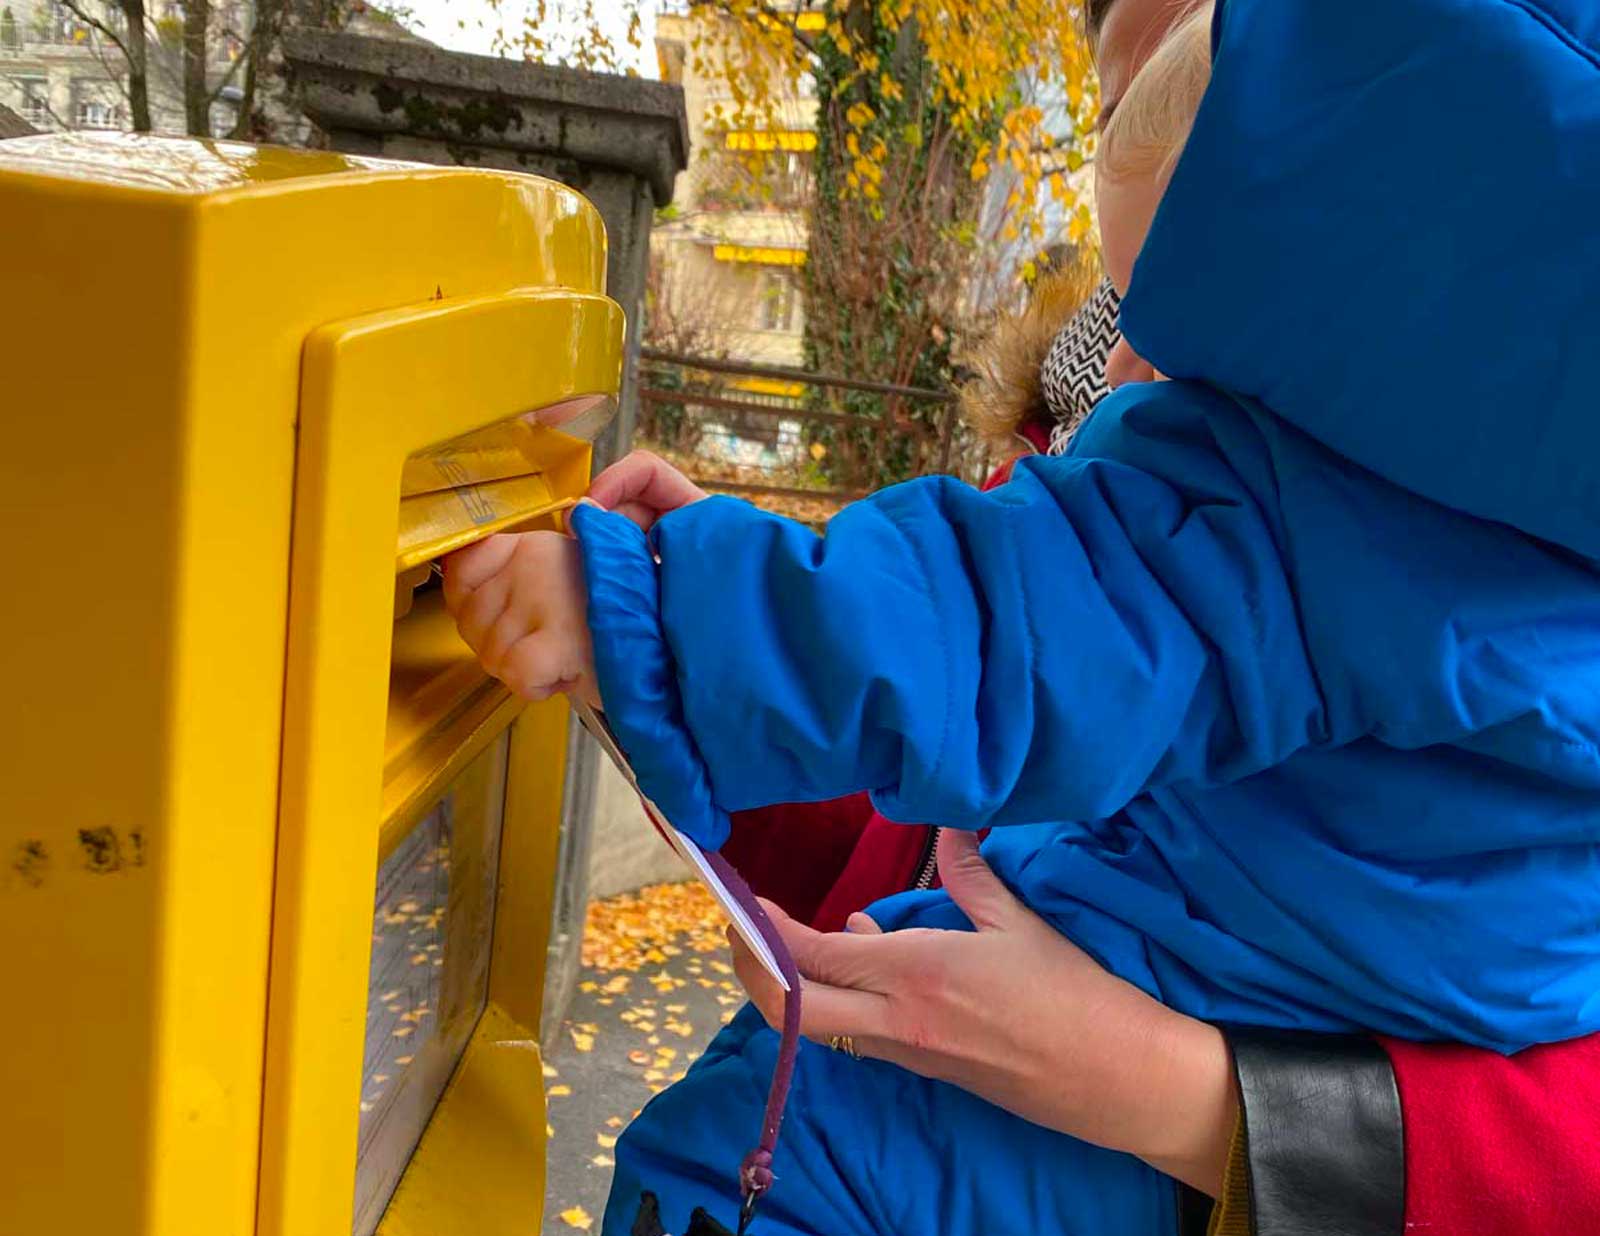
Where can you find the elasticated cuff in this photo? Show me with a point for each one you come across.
(638, 674)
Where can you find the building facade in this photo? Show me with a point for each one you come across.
(728, 254)
(61, 71)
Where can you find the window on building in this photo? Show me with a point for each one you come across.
(67, 27)
(778, 296)
(793, 178)
(35, 101)
(96, 113)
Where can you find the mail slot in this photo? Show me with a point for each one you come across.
(279, 858)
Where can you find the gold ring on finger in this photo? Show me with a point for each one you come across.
(844, 1043)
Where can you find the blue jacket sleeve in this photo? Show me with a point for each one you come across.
(1045, 651)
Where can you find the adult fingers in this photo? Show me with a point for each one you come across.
(972, 883)
(837, 958)
(825, 1010)
(643, 486)
(468, 569)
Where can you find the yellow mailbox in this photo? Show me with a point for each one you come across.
(278, 858)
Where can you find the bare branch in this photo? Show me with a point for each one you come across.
(227, 78)
(89, 19)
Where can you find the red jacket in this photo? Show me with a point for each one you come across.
(1492, 1146)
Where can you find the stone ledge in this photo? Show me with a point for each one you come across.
(359, 84)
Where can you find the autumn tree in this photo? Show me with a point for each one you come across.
(927, 111)
(984, 66)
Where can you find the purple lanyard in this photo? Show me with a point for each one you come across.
(755, 1173)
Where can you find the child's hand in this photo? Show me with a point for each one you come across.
(644, 487)
(519, 602)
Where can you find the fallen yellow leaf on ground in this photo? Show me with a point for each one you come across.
(577, 1217)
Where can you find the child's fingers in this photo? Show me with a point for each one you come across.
(480, 610)
(520, 616)
(467, 569)
(540, 664)
(639, 513)
(643, 486)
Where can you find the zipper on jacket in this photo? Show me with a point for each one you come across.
(928, 868)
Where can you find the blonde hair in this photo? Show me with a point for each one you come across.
(1151, 124)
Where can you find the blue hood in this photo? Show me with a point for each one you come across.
(1426, 304)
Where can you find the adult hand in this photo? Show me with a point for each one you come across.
(1020, 1016)
(644, 487)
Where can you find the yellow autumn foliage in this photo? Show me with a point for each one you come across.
(989, 62)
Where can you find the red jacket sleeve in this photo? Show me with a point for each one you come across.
(1498, 1145)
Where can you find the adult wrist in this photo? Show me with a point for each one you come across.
(1193, 1125)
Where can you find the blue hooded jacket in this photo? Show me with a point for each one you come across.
(1290, 671)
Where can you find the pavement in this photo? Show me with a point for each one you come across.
(656, 985)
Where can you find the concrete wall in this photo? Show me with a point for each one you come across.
(625, 852)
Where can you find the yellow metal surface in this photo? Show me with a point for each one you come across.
(480, 1168)
(443, 709)
(161, 294)
(432, 525)
(761, 255)
(431, 927)
(533, 798)
(375, 391)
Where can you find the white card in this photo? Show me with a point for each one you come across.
(688, 849)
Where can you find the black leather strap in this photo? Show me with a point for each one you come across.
(1324, 1134)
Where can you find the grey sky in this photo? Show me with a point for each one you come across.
(469, 25)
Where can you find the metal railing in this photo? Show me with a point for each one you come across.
(778, 432)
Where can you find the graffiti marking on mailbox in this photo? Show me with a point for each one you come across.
(32, 862)
(102, 850)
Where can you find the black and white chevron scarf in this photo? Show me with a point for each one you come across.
(1073, 378)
